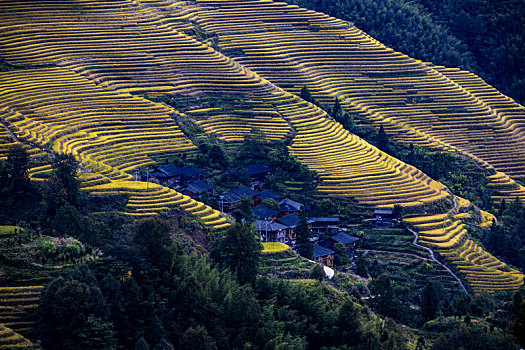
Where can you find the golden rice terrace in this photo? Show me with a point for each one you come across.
(86, 70)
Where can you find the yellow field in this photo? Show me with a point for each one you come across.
(274, 247)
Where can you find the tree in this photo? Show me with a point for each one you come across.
(218, 157)
(65, 170)
(349, 324)
(67, 221)
(141, 344)
(246, 209)
(303, 234)
(197, 339)
(271, 203)
(253, 148)
(153, 236)
(65, 310)
(382, 139)
(341, 258)
(518, 327)
(336, 109)
(307, 95)
(461, 307)
(164, 345)
(63, 186)
(430, 303)
(97, 334)
(517, 301)
(239, 250)
(502, 208)
(385, 301)
(318, 272)
(18, 163)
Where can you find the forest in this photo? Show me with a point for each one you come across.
(169, 283)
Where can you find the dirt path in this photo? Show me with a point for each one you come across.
(432, 256)
(13, 136)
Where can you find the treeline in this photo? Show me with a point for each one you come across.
(154, 294)
(483, 36)
(506, 239)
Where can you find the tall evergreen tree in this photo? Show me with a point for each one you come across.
(518, 327)
(303, 234)
(430, 302)
(382, 139)
(239, 250)
(18, 163)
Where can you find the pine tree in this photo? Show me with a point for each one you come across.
(141, 344)
(239, 250)
(303, 234)
(518, 327)
(18, 163)
(430, 302)
(382, 139)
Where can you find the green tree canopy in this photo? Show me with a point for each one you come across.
(303, 234)
(239, 250)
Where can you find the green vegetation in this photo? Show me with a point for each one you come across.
(506, 239)
(176, 298)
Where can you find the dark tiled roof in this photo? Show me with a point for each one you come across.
(190, 170)
(320, 251)
(229, 197)
(199, 186)
(157, 174)
(384, 211)
(256, 169)
(269, 195)
(323, 220)
(290, 205)
(264, 212)
(344, 238)
(169, 170)
(186, 171)
(290, 220)
(245, 191)
(270, 226)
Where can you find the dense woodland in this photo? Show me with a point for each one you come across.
(155, 286)
(483, 36)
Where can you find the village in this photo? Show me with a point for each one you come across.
(275, 217)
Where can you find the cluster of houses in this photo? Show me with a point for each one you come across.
(272, 225)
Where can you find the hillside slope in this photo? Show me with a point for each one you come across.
(414, 101)
(80, 62)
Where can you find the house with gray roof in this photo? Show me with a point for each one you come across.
(271, 231)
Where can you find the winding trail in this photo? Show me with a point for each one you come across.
(432, 256)
(13, 136)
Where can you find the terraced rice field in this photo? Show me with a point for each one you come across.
(12, 340)
(414, 101)
(106, 148)
(17, 307)
(81, 96)
(447, 235)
